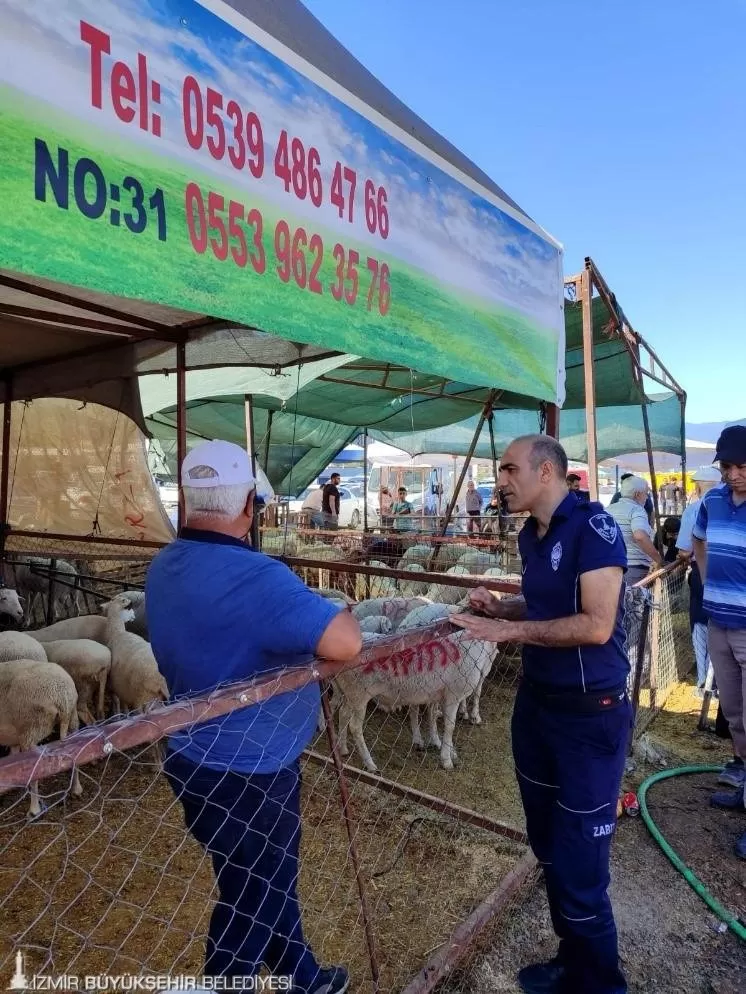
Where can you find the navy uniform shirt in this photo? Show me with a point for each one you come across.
(581, 537)
(218, 611)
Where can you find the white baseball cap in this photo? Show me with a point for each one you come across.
(217, 464)
(707, 474)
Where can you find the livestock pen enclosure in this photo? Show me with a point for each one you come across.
(403, 871)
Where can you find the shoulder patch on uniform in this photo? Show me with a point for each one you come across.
(556, 556)
(605, 526)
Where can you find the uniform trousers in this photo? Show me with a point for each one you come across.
(569, 767)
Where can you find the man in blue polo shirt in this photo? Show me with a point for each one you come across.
(719, 544)
(219, 612)
(572, 717)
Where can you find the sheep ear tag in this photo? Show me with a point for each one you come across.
(605, 526)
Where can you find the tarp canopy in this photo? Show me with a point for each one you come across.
(420, 413)
(618, 430)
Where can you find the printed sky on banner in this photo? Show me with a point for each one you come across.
(447, 267)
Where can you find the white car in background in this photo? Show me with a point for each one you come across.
(350, 506)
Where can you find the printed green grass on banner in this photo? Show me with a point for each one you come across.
(451, 333)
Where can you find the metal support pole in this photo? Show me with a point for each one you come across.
(493, 450)
(486, 410)
(266, 442)
(5, 468)
(365, 481)
(351, 836)
(180, 424)
(586, 291)
(682, 401)
(553, 419)
(256, 535)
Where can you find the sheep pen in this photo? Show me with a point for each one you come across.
(137, 891)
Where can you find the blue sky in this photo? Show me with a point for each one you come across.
(619, 127)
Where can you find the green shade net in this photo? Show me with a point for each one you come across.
(420, 412)
(618, 430)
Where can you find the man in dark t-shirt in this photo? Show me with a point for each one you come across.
(330, 502)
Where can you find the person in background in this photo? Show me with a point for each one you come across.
(219, 612)
(330, 502)
(704, 480)
(312, 506)
(385, 501)
(629, 514)
(473, 504)
(719, 545)
(573, 485)
(670, 531)
(648, 505)
(402, 510)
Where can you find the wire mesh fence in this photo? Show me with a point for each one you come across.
(412, 848)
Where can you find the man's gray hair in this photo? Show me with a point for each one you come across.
(633, 485)
(544, 448)
(216, 502)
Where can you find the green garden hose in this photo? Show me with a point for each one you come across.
(733, 923)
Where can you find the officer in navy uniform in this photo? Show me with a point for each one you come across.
(572, 717)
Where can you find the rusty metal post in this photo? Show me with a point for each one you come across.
(586, 292)
(682, 401)
(270, 415)
(655, 631)
(50, 595)
(345, 795)
(180, 425)
(493, 449)
(365, 481)
(453, 950)
(5, 468)
(642, 642)
(486, 410)
(553, 419)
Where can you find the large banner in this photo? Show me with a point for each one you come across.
(171, 151)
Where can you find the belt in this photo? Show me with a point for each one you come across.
(578, 702)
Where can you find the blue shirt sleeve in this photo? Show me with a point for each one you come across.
(294, 617)
(700, 525)
(600, 543)
(688, 518)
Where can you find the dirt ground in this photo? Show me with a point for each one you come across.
(669, 939)
(110, 882)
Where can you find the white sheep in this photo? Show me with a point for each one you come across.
(34, 698)
(477, 561)
(11, 607)
(381, 586)
(19, 645)
(426, 614)
(393, 608)
(419, 554)
(88, 663)
(139, 623)
(34, 578)
(445, 594)
(87, 626)
(413, 588)
(438, 672)
(376, 624)
(134, 678)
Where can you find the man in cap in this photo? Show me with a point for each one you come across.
(220, 612)
(719, 546)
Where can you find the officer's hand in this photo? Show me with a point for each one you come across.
(480, 599)
(484, 628)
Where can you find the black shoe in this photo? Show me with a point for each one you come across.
(542, 978)
(729, 800)
(333, 980)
